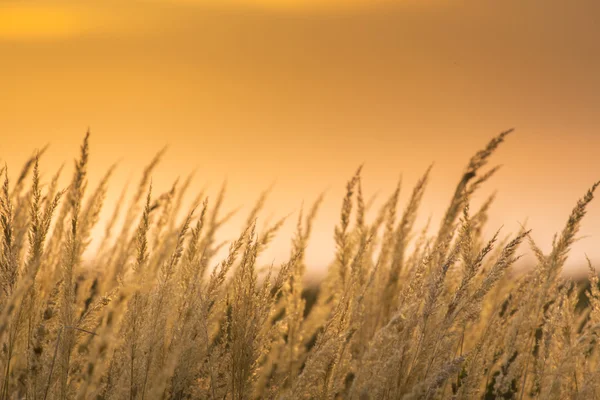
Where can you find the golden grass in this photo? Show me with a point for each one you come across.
(150, 317)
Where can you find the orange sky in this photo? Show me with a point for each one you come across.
(303, 91)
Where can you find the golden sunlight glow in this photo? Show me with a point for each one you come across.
(291, 5)
(302, 91)
(64, 20)
(309, 3)
(33, 22)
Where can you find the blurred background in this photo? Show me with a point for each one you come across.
(300, 92)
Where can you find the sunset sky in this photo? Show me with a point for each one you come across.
(301, 92)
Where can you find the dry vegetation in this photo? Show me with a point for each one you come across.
(401, 314)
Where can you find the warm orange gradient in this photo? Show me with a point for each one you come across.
(43, 22)
(261, 91)
(18, 22)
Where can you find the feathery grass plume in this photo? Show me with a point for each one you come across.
(141, 190)
(39, 227)
(593, 293)
(163, 241)
(504, 261)
(547, 275)
(133, 323)
(111, 222)
(124, 243)
(338, 279)
(561, 248)
(215, 221)
(165, 204)
(269, 234)
(18, 188)
(331, 358)
(192, 270)
(177, 204)
(188, 280)
(464, 313)
(400, 314)
(401, 237)
(209, 302)
(342, 238)
(52, 190)
(21, 296)
(428, 337)
(480, 358)
(70, 260)
(360, 208)
(282, 365)
(386, 217)
(590, 378)
(95, 376)
(142, 239)
(258, 206)
(74, 196)
(478, 161)
(91, 212)
(198, 339)
(471, 265)
(427, 389)
(294, 304)
(317, 379)
(8, 278)
(157, 325)
(480, 218)
(408, 220)
(8, 261)
(241, 322)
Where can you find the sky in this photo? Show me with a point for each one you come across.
(300, 92)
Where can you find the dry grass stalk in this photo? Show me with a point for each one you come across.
(402, 314)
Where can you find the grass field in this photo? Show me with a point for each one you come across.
(155, 313)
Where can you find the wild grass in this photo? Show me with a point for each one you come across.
(401, 314)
